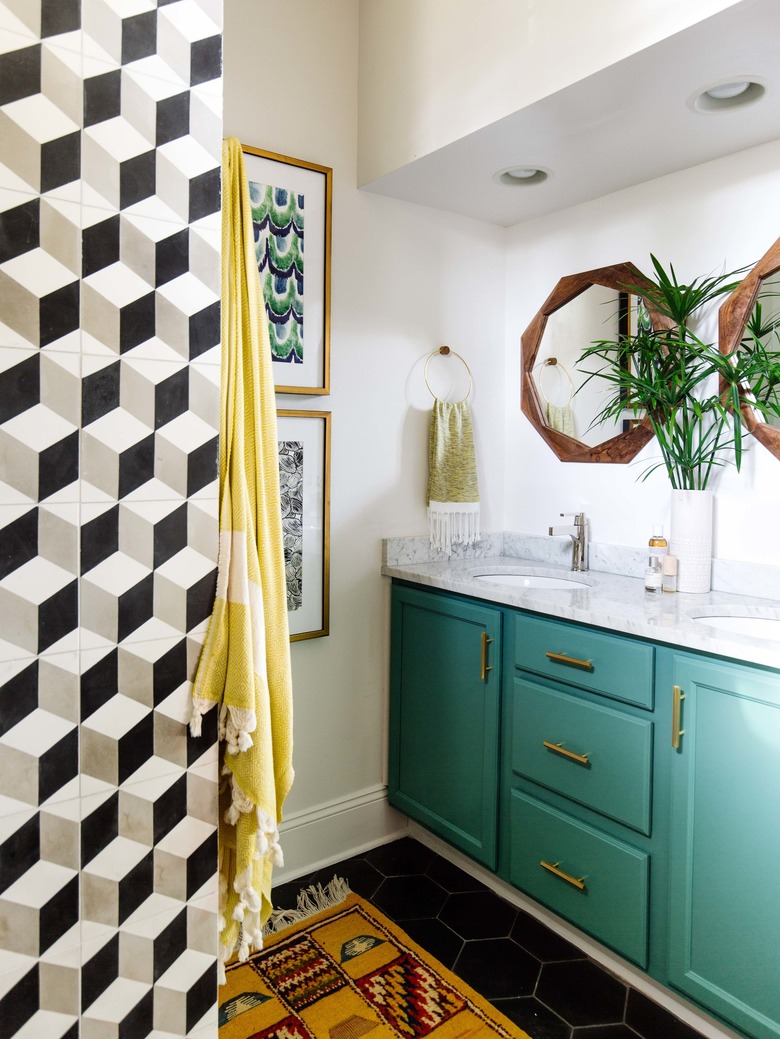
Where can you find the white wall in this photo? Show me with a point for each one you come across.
(719, 216)
(415, 56)
(405, 279)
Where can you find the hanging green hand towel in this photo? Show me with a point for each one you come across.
(453, 489)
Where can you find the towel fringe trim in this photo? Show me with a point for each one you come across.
(453, 523)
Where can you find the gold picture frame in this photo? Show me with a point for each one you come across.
(304, 478)
(282, 190)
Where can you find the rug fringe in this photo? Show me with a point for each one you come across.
(311, 900)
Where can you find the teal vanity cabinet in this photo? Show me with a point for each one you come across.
(445, 679)
(580, 770)
(724, 947)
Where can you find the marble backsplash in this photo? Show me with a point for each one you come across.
(728, 575)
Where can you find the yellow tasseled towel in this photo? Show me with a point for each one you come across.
(245, 664)
(453, 488)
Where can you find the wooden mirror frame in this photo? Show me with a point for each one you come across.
(732, 318)
(618, 449)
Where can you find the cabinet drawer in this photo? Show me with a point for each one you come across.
(607, 890)
(615, 777)
(607, 664)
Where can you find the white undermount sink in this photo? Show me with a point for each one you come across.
(765, 625)
(517, 580)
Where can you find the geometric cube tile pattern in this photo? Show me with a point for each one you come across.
(110, 145)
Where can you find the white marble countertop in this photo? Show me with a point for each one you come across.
(609, 601)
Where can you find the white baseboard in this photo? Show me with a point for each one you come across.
(328, 833)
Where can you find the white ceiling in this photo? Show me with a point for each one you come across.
(627, 124)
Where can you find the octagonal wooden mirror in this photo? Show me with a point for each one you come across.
(760, 288)
(557, 397)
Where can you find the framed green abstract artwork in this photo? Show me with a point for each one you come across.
(291, 215)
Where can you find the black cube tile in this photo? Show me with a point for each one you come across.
(137, 179)
(20, 851)
(20, 1003)
(20, 74)
(100, 393)
(99, 972)
(20, 388)
(202, 466)
(170, 536)
(205, 60)
(58, 616)
(136, 607)
(100, 246)
(136, 465)
(60, 16)
(200, 864)
(171, 398)
(102, 97)
(204, 194)
(99, 538)
(59, 313)
(136, 322)
(59, 914)
(20, 228)
(200, 600)
(173, 118)
(136, 747)
(58, 765)
(581, 993)
(205, 330)
(139, 36)
(170, 808)
(140, 1020)
(135, 887)
(170, 671)
(18, 544)
(60, 161)
(169, 944)
(18, 697)
(172, 257)
(58, 465)
(99, 828)
(202, 996)
(99, 683)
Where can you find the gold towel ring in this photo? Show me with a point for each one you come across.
(555, 363)
(446, 351)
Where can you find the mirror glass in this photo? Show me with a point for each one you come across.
(764, 325)
(571, 401)
(753, 310)
(558, 398)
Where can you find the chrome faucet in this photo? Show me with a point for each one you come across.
(578, 532)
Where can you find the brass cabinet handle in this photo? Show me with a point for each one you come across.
(552, 867)
(485, 666)
(562, 658)
(677, 698)
(558, 748)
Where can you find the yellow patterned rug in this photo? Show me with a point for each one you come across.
(348, 972)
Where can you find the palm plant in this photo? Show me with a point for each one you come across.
(689, 390)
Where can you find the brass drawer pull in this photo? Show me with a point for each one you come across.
(552, 867)
(485, 666)
(677, 698)
(561, 658)
(558, 748)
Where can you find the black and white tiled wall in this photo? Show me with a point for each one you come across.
(110, 142)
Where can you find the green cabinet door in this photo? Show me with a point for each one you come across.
(725, 869)
(444, 714)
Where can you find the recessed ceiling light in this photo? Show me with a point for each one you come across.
(727, 93)
(521, 175)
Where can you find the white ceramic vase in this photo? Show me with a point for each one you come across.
(691, 539)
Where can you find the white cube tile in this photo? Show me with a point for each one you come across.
(23, 439)
(25, 126)
(140, 235)
(172, 852)
(21, 749)
(61, 233)
(174, 443)
(205, 249)
(47, 1023)
(105, 147)
(179, 162)
(102, 21)
(103, 443)
(24, 282)
(140, 379)
(180, 26)
(206, 116)
(103, 589)
(172, 582)
(23, 593)
(103, 1019)
(102, 733)
(170, 996)
(103, 876)
(22, 903)
(144, 85)
(105, 295)
(61, 79)
(137, 662)
(21, 17)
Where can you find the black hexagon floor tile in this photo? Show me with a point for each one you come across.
(497, 968)
(409, 898)
(534, 1018)
(582, 993)
(479, 914)
(436, 938)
